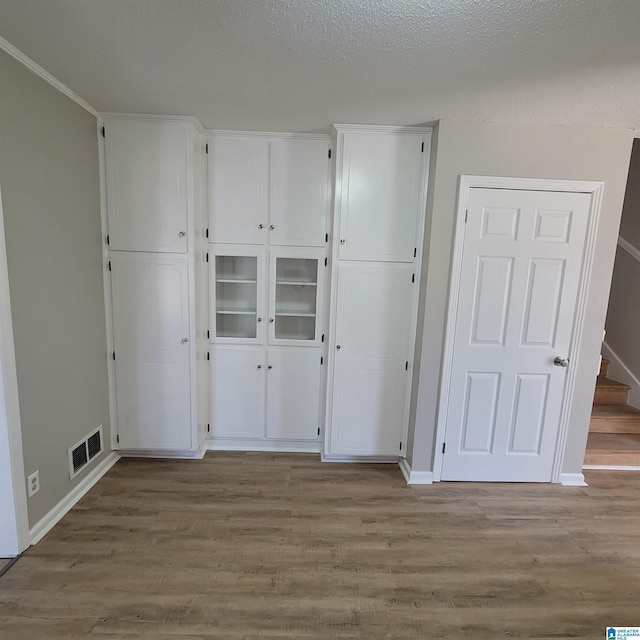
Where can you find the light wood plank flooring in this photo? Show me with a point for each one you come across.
(255, 546)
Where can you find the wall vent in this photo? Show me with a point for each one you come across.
(83, 452)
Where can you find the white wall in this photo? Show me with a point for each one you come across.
(526, 151)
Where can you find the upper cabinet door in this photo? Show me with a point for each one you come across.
(146, 176)
(381, 200)
(299, 192)
(238, 189)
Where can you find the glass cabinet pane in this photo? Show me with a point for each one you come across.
(296, 298)
(236, 296)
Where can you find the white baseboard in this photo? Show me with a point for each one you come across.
(611, 467)
(619, 371)
(170, 455)
(415, 477)
(360, 459)
(41, 528)
(272, 446)
(572, 480)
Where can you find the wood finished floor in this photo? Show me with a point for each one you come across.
(248, 546)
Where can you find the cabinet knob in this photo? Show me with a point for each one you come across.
(338, 347)
(260, 226)
(270, 319)
(182, 234)
(184, 340)
(259, 366)
(259, 319)
(270, 366)
(342, 240)
(272, 227)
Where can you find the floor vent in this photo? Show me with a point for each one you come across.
(81, 454)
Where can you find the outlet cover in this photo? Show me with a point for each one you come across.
(33, 483)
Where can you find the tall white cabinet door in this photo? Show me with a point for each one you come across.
(293, 393)
(299, 192)
(238, 386)
(370, 354)
(152, 365)
(238, 189)
(382, 196)
(146, 183)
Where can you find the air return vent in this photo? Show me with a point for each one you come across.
(84, 451)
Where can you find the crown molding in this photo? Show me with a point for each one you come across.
(265, 134)
(108, 115)
(45, 75)
(381, 128)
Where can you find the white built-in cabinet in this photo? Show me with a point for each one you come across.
(269, 232)
(381, 178)
(154, 196)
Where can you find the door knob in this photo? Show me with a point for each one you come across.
(182, 234)
(270, 319)
(342, 240)
(259, 319)
(338, 347)
(259, 366)
(260, 226)
(269, 366)
(184, 340)
(561, 362)
(272, 227)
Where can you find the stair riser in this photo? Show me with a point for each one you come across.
(599, 425)
(604, 367)
(610, 396)
(613, 458)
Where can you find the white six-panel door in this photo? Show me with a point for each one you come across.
(521, 268)
(371, 353)
(381, 196)
(151, 337)
(146, 184)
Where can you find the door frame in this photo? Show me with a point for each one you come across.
(466, 183)
(14, 534)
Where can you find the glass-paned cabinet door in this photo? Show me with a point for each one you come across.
(296, 300)
(236, 300)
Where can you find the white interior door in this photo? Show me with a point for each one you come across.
(238, 189)
(299, 192)
(521, 268)
(151, 333)
(238, 387)
(293, 393)
(382, 196)
(146, 182)
(370, 354)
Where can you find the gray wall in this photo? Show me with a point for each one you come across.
(530, 151)
(623, 314)
(50, 187)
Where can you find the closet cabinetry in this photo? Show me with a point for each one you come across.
(268, 229)
(156, 268)
(379, 222)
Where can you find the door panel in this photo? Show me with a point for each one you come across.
(151, 319)
(238, 385)
(369, 387)
(146, 183)
(238, 190)
(381, 200)
(293, 395)
(521, 268)
(299, 192)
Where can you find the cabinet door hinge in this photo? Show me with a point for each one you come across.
(206, 148)
(406, 366)
(326, 237)
(208, 428)
(444, 447)
(103, 132)
(322, 339)
(113, 355)
(109, 265)
(208, 355)
(108, 240)
(207, 256)
(118, 438)
(329, 154)
(422, 148)
(466, 216)
(400, 445)
(321, 360)
(413, 277)
(318, 430)
(208, 334)
(325, 261)
(206, 233)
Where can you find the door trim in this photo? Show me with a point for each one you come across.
(466, 183)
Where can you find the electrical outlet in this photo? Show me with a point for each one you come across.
(33, 483)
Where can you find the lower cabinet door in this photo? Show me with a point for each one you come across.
(293, 393)
(238, 386)
(368, 413)
(152, 355)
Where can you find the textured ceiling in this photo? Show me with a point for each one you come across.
(299, 65)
